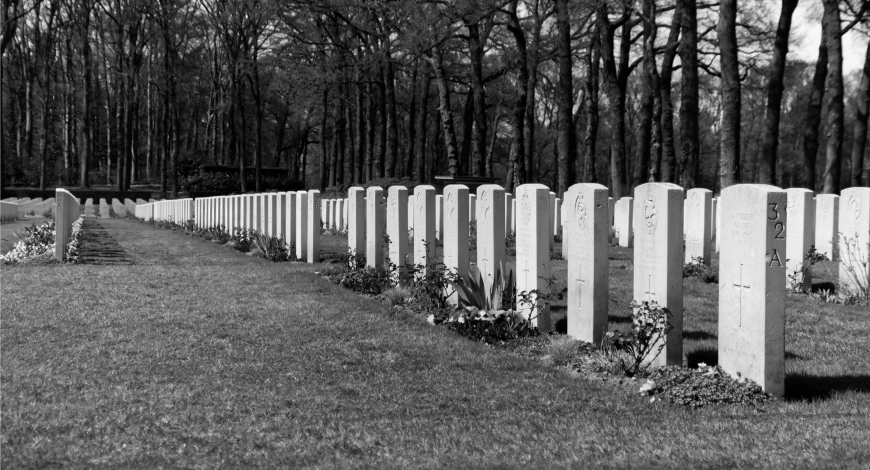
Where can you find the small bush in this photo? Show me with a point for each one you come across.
(698, 269)
(704, 386)
(633, 352)
(36, 240)
(243, 239)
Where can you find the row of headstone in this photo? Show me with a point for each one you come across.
(753, 266)
(296, 217)
(173, 210)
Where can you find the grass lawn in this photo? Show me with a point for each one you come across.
(200, 356)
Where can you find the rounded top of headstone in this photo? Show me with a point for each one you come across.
(799, 190)
(700, 190)
(763, 188)
(455, 187)
(423, 188)
(594, 186)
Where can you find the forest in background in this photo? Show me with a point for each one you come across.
(345, 92)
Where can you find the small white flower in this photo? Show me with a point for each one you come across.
(430, 319)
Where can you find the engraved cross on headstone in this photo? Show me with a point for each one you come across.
(649, 292)
(740, 289)
(580, 282)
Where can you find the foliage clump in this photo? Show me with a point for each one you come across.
(36, 240)
(704, 386)
(698, 269)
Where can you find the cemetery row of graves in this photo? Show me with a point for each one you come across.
(765, 238)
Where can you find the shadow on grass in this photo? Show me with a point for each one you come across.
(709, 356)
(812, 387)
(698, 335)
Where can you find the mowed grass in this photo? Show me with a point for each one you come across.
(199, 356)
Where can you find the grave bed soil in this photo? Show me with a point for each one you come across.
(98, 246)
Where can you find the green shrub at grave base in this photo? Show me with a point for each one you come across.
(699, 270)
(72, 248)
(704, 386)
(632, 353)
(35, 241)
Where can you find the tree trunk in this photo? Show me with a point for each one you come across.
(327, 171)
(467, 129)
(422, 128)
(566, 143)
(590, 84)
(279, 136)
(381, 158)
(516, 165)
(669, 152)
(814, 116)
(392, 123)
(655, 170)
(358, 174)
(444, 108)
(642, 168)
(689, 96)
(479, 132)
(729, 134)
(767, 164)
(834, 95)
(411, 162)
(860, 128)
(615, 89)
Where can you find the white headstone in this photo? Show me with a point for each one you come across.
(800, 234)
(313, 235)
(301, 224)
(624, 221)
(397, 224)
(424, 225)
(356, 220)
(411, 207)
(439, 216)
(104, 209)
(456, 206)
(854, 240)
(714, 209)
(752, 284)
(472, 207)
(508, 214)
(587, 225)
(658, 259)
(557, 216)
(827, 222)
(698, 210)
(490, 233)
(534, 235)
(375, 221)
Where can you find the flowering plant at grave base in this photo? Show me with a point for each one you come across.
(243, 239)
(72, 248)
(794, 280)
(706, 385)
(633, 352)
(698, 269)
(271, 248)
(36, 240)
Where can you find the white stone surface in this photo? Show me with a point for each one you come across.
(752, 284)
(800, 233)
(313, 236)
(624, 221)
(376, 215)
(397, 225)
(827, 223)
(534, 235)
(439, 216)
(699, 211)
(301, 224)
(587, 225)
(356, 220)
(424, 226)
(508, 214)
(658, 258)
(456, 206)
(290, 220)
(490, 233)
(854, 240)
